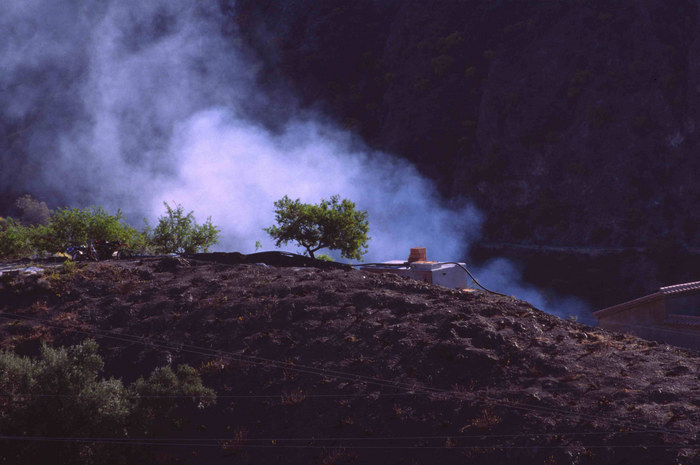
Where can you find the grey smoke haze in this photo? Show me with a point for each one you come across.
(127, 104)
(504, 276)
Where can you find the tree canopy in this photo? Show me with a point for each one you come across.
(334, 224)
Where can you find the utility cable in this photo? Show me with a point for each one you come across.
(361, 439)
(407, 265)
(475, 281)
(322, 372)
(236, 443)
(348, 376)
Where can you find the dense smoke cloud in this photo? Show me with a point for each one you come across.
(127, 104)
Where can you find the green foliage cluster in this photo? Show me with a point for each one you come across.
(176, 232)
(62, 395)
(71, 226)
(180, 233)
(19, 238)
(16, 240)
(66, 226)
(332, 224)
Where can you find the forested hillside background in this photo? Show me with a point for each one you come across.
(571, 123)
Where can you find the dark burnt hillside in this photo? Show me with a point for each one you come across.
(340, 367)
(569, 122)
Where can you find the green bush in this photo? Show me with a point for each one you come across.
(74, 226)
(180, 233)
(176, 232)
(333, 224)
(16, 240)
(61, 395)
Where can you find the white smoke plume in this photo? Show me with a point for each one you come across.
(128, 104)
(233, 171)
(503, 276)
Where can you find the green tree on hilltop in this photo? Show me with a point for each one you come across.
(334, 224)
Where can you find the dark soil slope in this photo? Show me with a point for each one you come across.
(340, 366)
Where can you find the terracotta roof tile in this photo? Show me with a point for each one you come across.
(680, 288)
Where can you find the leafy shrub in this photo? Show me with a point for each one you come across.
(61, 395)
(180, 233)
(165, 382)
(73, 226)
(175, 232)
(16, 240)
(69, 267)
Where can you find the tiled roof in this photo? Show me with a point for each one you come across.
(668, 290)
(681, 288)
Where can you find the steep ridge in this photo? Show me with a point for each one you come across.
(341, 366)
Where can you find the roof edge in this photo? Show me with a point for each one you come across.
(627, 305)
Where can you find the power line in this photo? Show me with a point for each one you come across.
(236, 443)
(232, 396)
(305, 395)
(458, 395)
(349, 376)
(370, 439)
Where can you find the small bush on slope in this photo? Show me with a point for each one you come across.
(61, 395)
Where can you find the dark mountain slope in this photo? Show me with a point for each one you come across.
(339, 366)
(569, 122)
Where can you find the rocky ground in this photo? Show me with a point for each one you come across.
(335, 366)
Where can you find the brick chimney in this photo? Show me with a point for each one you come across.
(418, 254)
